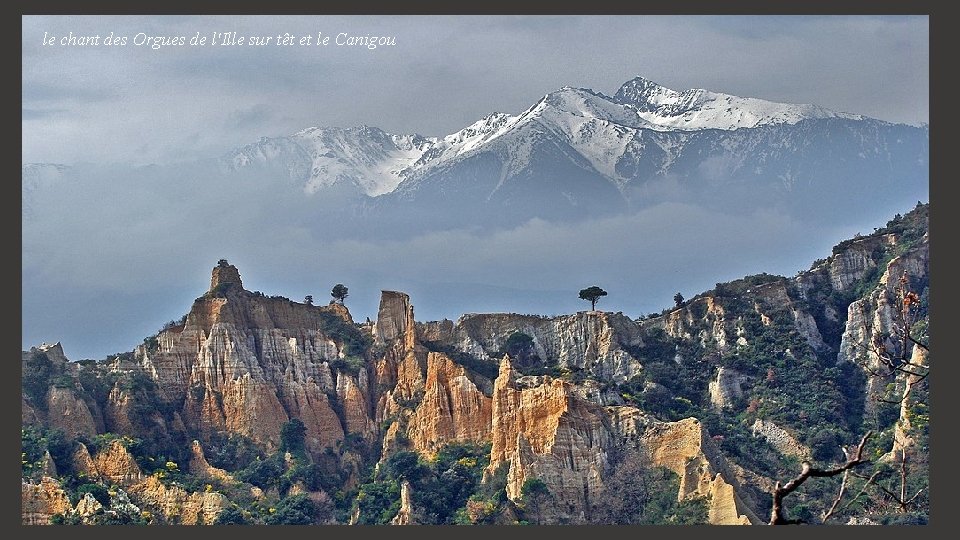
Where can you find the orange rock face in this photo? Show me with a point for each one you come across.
(247, 363)
(685, 448)
(117, 464)
(452, 409)
(40, 502)
(66, 411)
(177, 505)
(546, 432)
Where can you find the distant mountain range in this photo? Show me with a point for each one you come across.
(578, 153)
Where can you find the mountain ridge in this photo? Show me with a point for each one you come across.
(379, 164)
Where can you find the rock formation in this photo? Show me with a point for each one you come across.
(405, 514)
(200, 467)
(875, 315)
(779, 438)
(452, 408)
(244, 363)
(116, 464)
(41, 501)
(725, 388)
(598, 342)
(685, 448)
(546, 432)
(177, 505)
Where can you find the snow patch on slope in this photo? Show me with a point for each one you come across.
(697, 109)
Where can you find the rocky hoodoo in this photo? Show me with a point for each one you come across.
(903, 438)
(66, 411)
(41, 501)
(546, 432)
(452, 408)
(875, 318)
(405, 514)
(394, 317)
(400, 374)
(247, 363)
(116, 464)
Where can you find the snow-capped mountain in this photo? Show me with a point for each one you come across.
(583, 149)
(373, 161)
(696, 108)
(573, 154)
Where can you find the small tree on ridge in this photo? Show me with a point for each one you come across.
(339, 292)
(592, 294)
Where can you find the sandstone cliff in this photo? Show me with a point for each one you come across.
(40, 502)
(598, 342)
(452, 408)
(246, 363)
(685, 447)
(546, 432)
(707, 320)
(872, 322)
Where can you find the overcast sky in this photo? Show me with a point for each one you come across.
(136, 104)
(111, 253)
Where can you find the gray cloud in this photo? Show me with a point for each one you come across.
(37, 114)
(445, 72)
(111, 253)
(254, 116)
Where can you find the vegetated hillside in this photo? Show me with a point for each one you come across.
(257, 409)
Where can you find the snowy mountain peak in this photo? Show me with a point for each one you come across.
(697, 108)
(639, 90)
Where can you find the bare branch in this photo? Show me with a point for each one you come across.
(915, 495)
(917, 343)
(836, 502)
(903, 477)
(779, 492)
(863, 489)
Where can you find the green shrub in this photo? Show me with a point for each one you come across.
(378, 502)
(35, 379)
(231, 515)
(293, 436)
(295, 510)
(263, 473)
